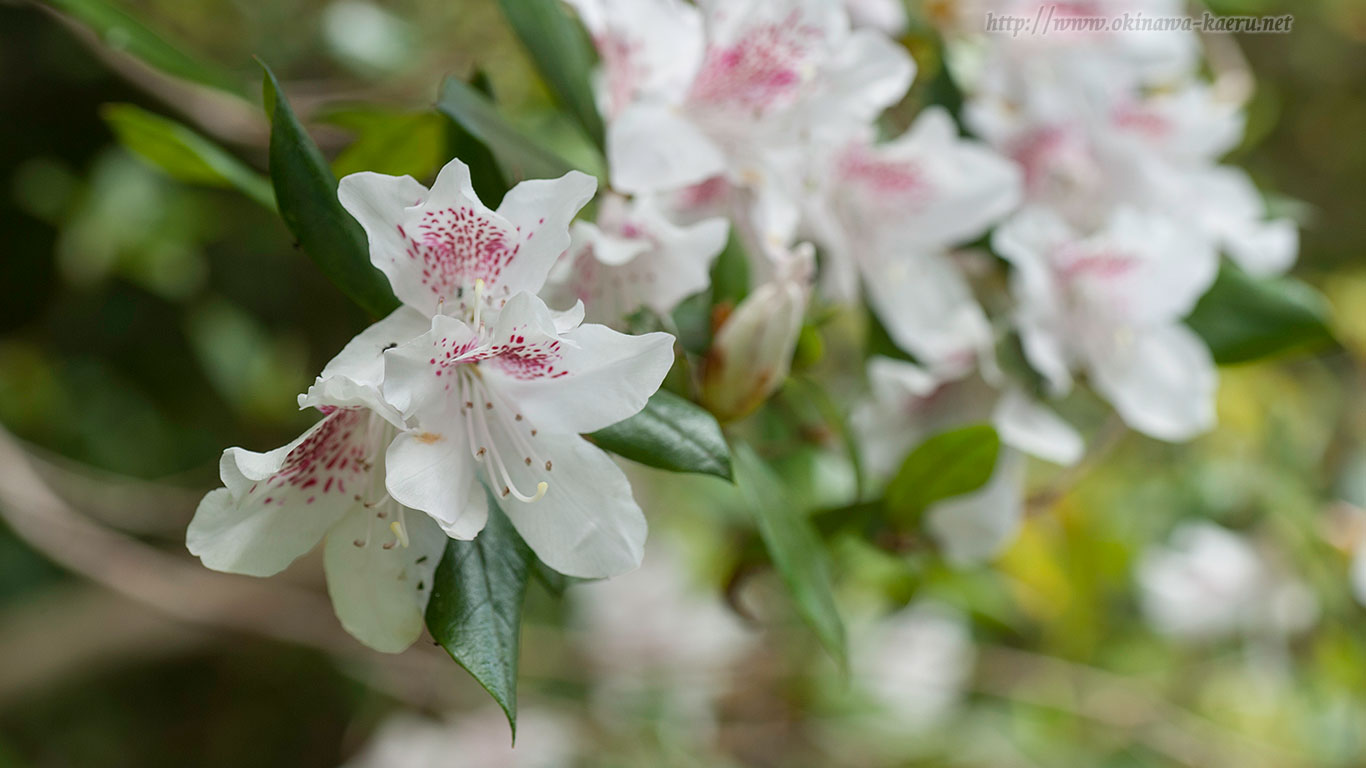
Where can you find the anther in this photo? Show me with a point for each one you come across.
(359, 542)
(401, 532)
(547, 465)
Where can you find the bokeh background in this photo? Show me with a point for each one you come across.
(146, 323)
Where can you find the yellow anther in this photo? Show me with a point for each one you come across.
(400, 533)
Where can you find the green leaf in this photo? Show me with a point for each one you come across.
(120, 31)
(1245, 318)
(518, 156)
(485, 174)
(306, 192)
(562, 54)
(475, 611)
(949, 464)
(183, 154)
(394, 143)
(670, 433)
(795, 549)
(730, 272)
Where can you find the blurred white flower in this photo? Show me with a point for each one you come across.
(657, 639)
(916, 664)
(633, 257)
(748, 89)
(886, 215)
(480, 740)
(1111, 303)
(1208, 582)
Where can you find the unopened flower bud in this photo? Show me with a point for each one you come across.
(752, 352)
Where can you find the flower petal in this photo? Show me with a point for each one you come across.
(380, 594)
(1161, 380)
(418, 376)
(353, 377)
(1025, 424)
(587, 525)
(583, 380)
(435, 473)
(651, 147)
(539, 211)
(386, 206)
(927, 307)
(277, 505)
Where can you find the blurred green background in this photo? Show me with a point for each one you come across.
(146, 323)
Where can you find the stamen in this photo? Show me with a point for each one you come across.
(400, 533)
(478, 299)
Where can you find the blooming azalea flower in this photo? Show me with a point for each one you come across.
(634, 257)
(910, 404)
(772, 78)
(888, 212)
(329, 484)
(497, 388)
(1112, 304)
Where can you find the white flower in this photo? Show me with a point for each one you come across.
(329, 484)
(658, 639)
(910, 404)
(752, 352)
(888, 213)
(634, 257)
(1112, 304)
(916, 663)
(505, 387)
(1209, 582)
(774, 77)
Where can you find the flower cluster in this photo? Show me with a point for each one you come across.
(1126, 208)
(472, 388)
(1093, 189)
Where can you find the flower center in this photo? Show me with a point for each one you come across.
(486, 418)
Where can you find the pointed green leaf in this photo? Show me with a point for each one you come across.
(670, 433)
(120, 31)
(306, 192)
(1244, 318)
(796, 550)
(485, 174)
(949, 464)
(562, 54)
(518, 156)
(475, 611)
(182, 153)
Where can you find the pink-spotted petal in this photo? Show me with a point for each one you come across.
(583, 380)
(539, 212)
(278, 505)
